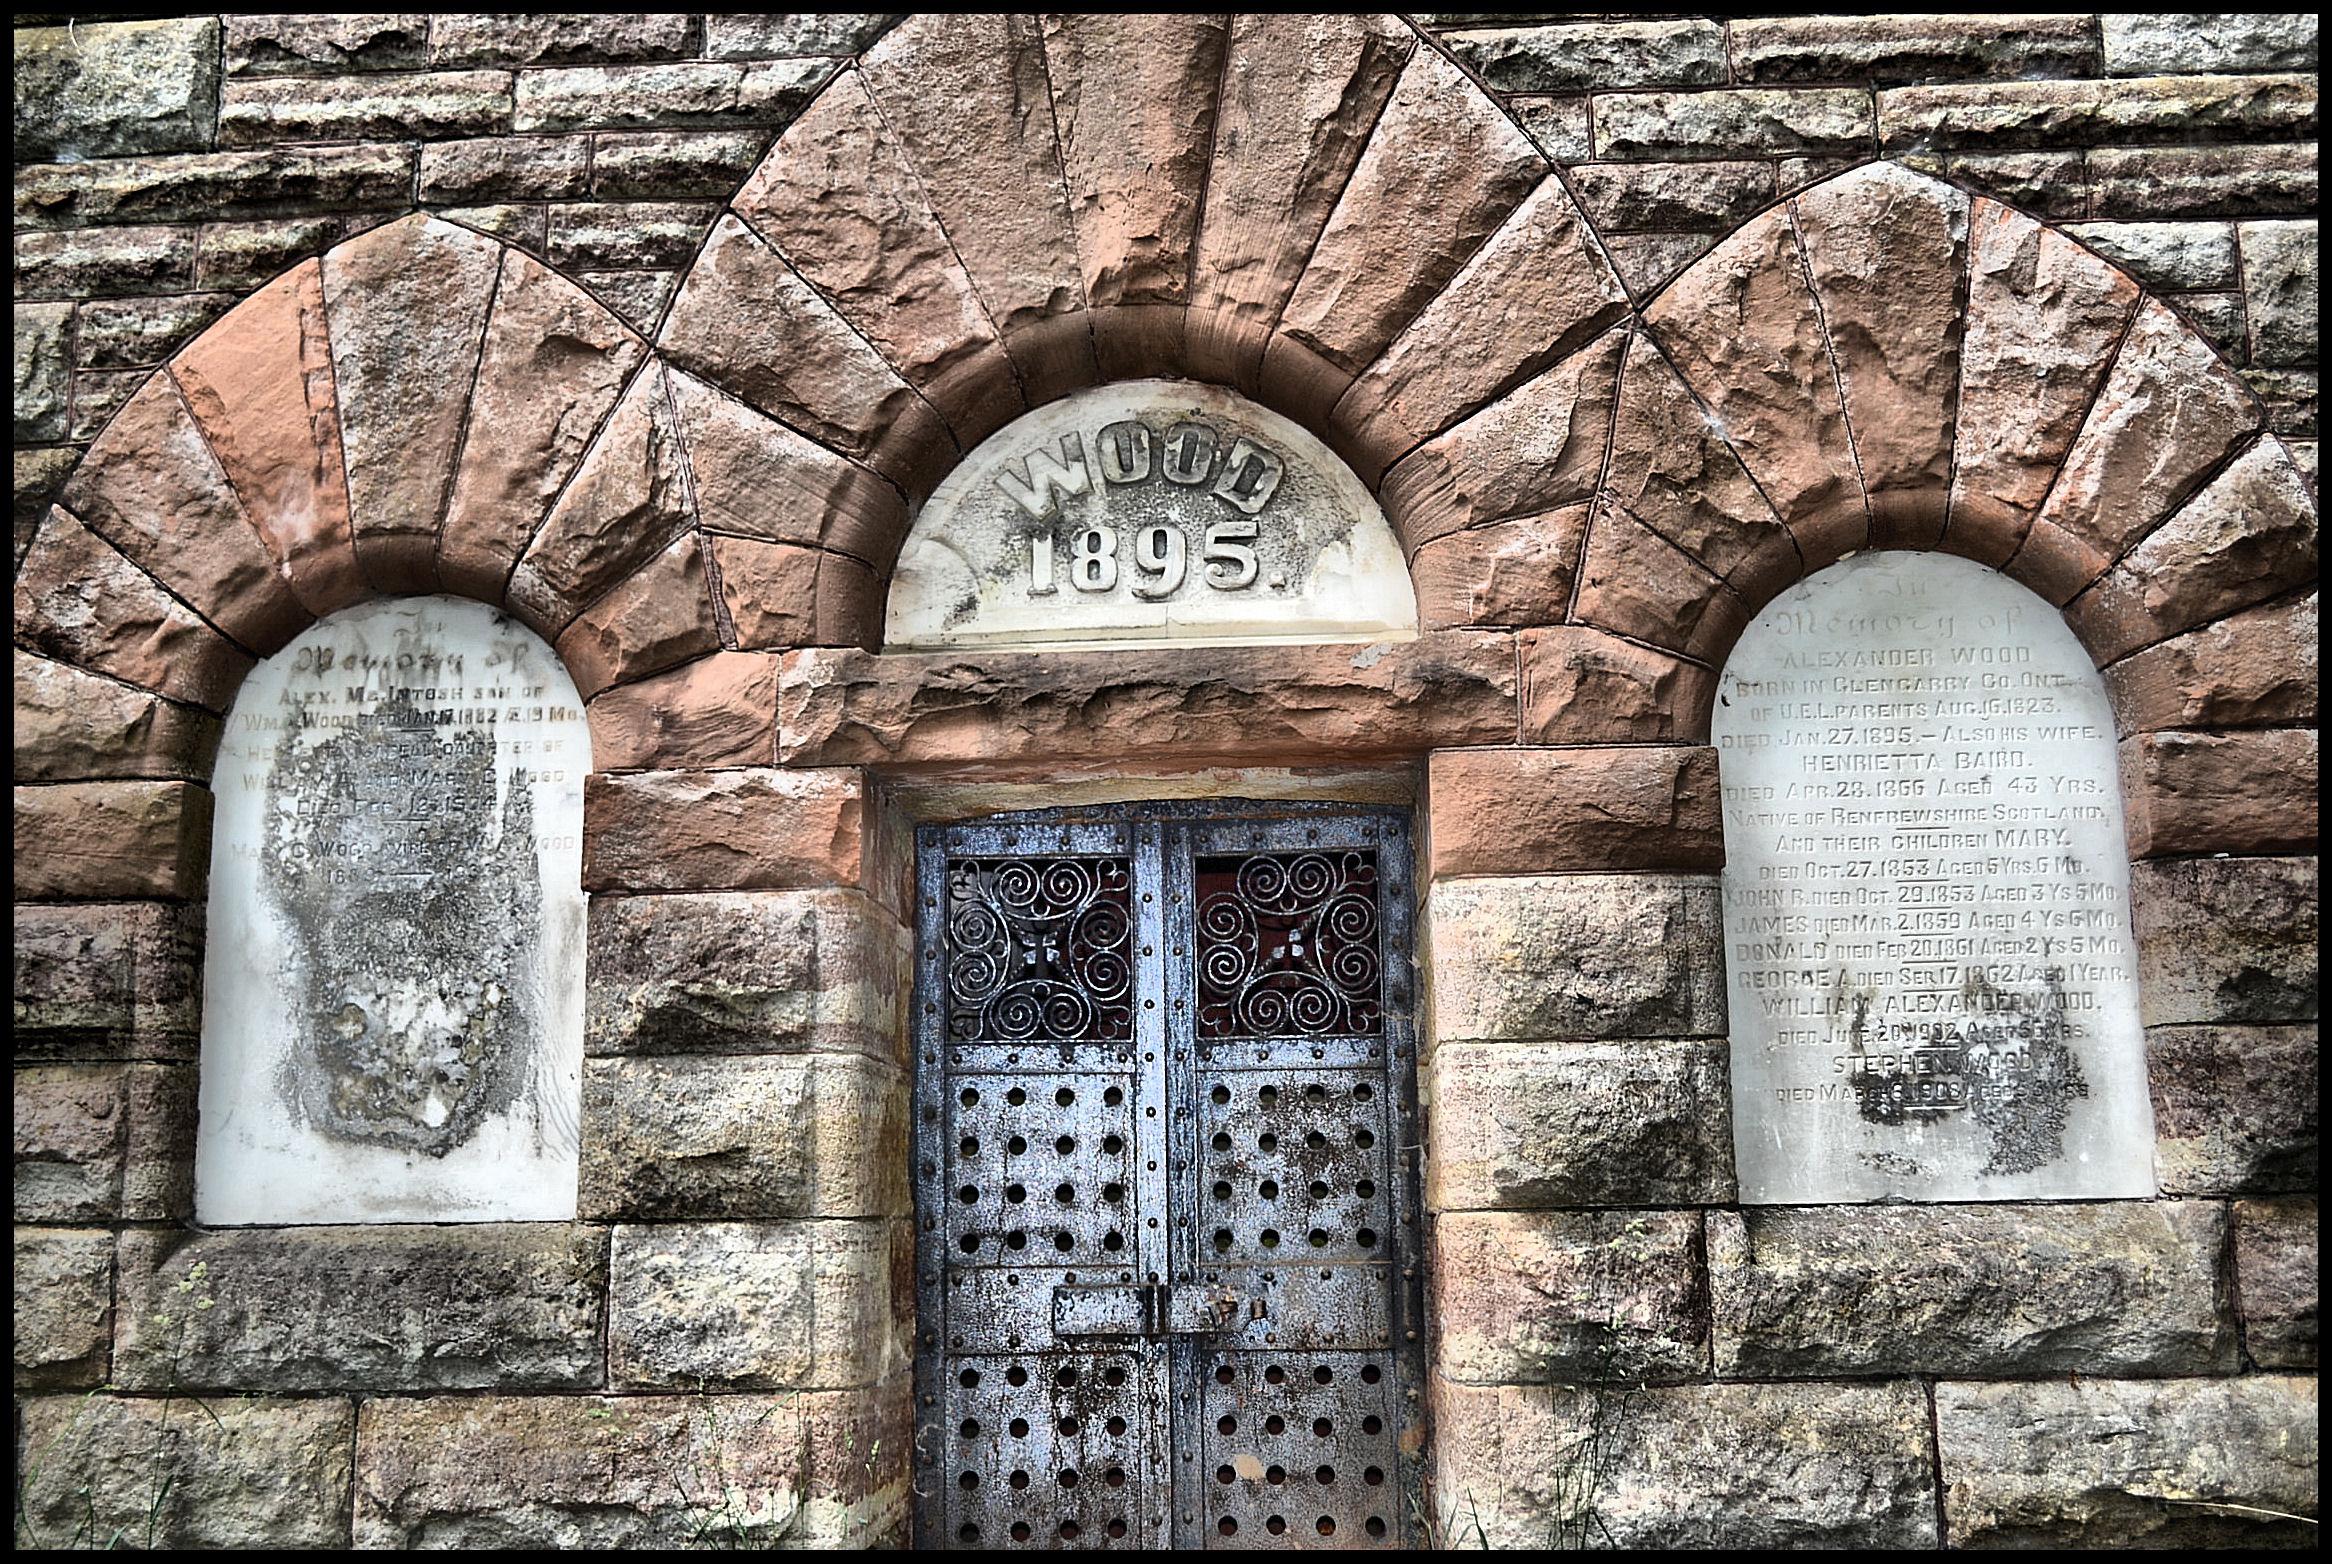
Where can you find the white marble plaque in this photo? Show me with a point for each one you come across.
(1149, 513)
(393, 992)
(1927, 925)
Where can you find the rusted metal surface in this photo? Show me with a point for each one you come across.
(1166, 1196)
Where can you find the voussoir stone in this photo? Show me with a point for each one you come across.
(750, 829)
(753, 1306)
(1526, 1125)
(1531, 1297)
(745, 972)
(107, 979)
(1582, 685)
(1672, 471)
(1542, 811)
(372, 1308)
(756, 478)
(579, 1471)
(1686, 1466)
(64, 1306)
(2234, 1108)
(2125, 1288)
(628, 502)
(235, 1472)
(1637, 584)
(1514, 572)
(2277, 1279)
(2252, 669)
(1576, 956)
(72, 725)
(2225, 940)
(655, 618)
(752, 1137)
(2082, 1462)
(79, 601)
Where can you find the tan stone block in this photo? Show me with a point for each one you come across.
(236, 1472)
(580, 1471)
(659, 615)
(1538, 290)
(746, 322)
(72, 725)
(1537, 1297)
(2225, 939)
(98, 980)
(80, 602)
(554, 363)
(2277, 1279)
(1672, 470)
(2234, 1108)
(1742, 327)
(152, 489)
(1442, 169)
(2243, 792)
(1581, 685)
(969, 100)
(1575, 956)
(756, 478)
(2254, 668)
(861, 1480)
(836, 196)
(1526, 1125)
(1517, 572)
(720, 710)
(260, 383)
(1541, 811)
(71, 1132)
(1300, 96)
(1244, 705)
(749, 829)
(1636, 583)
(64, 1307)
(112, 839)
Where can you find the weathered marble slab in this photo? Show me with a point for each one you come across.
(1149, 513)
(1927, 922)
(393, 995)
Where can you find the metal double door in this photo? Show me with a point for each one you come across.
(1166, 1207)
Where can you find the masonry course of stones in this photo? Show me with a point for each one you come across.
(731, 293)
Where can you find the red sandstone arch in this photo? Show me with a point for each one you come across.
(1324, 212)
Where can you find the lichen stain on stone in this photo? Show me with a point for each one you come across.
(408, 896)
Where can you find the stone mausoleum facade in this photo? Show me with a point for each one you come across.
(1165, 780)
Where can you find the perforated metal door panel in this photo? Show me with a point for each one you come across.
(1167, 1213)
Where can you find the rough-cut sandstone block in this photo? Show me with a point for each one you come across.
(2276, 1280)
(102, 1142)
(2279, 291)
(64, 1307)
(508, 168)
(753, 1306)
(1524, 1125)
(652, 164)
(298, 44)
(357, 108)
(1637, 584)
(98, 395)
(2225, 940)
(1300, 95)
(107, 980)
(552, 368)
(2121, 1463)
(99, 91)
(2234, 1108)
(749, 324)
(672, 94)
(2253, 180)
(1581, 685)
(725, 830)
(1551, 811)
(1538, 290)
(746, 1138)
(93, 840)
(407, 304)
(1672, 471)
(1743, 328)
(1576, 956)
(2170, 412)
(1526, 1298)
(208, 186)
(579, 1471)
(2154, 43)
(1441, 171)
(2127, 1288)
(1887, 250)
(1249, 705)
(551, 39)
(1604, 54)
(370, 1308)
(626, 505)
(765, 36)
(745, 973)
(769, 591)
(1741, 122)
(84, 262)
(1910, 48)
(1517, 572)
(658, 616)
(260, 383)
(2257, 668)
(79, 601)
(1537, 448)
(1786, 1466)
(2249, 535)
(152, 489)
(756, 478)
(720, 710)
(72, 726)
(43, 370)
(1632, 198)
(2171, 257)
(2249, 792)
(968, 98)
(2055, 113)
(231, 1473)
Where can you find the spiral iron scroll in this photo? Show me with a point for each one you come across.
(1038, 950)
(1288, 945)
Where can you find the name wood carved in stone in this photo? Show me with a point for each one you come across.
(392, 1024)
(1927, 923)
